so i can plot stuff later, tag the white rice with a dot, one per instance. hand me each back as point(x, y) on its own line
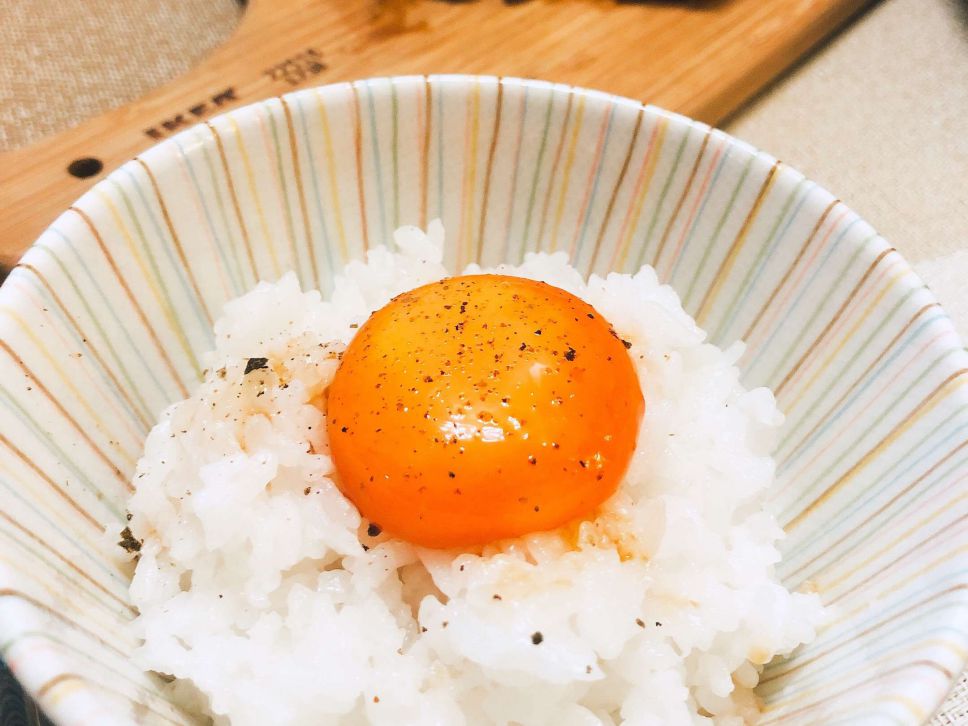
point(265, 599)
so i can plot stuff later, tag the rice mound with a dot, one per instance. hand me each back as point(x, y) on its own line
point(260, 589)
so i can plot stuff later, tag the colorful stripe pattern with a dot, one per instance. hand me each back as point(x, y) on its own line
point(102, 324)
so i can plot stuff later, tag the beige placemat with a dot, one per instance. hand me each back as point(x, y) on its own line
point(62, 61)
point(879, 116)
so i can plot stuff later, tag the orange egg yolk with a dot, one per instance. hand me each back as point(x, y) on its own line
point(482, 407)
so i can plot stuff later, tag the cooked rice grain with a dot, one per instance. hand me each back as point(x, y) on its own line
point(254, 583)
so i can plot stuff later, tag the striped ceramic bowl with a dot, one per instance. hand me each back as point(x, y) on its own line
point(102, 324)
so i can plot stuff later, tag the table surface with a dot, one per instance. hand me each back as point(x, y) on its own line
point(878, 116)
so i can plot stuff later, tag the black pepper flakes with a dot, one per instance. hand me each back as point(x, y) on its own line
point(255, 364)
point(373, 530)
point(640, 622)
point(536, 637)
point(451, 474)
point(128, 542)
point(570, 354)
point(626, 343)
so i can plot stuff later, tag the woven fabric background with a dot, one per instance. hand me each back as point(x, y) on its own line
point(879, 116)
point(62, 61)
point(955, 709)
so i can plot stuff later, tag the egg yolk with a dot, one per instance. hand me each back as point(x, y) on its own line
point(482, 407)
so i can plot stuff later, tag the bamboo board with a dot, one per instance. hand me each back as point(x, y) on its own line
point(702, 58)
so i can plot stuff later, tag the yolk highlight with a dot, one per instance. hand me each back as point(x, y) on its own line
point(482, 407)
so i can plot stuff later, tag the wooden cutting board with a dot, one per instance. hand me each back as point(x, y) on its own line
point(702, 58)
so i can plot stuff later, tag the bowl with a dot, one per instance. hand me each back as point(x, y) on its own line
point(103, 322)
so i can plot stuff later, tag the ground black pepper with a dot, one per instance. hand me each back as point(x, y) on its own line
point(255, 364)
point(128, 542)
